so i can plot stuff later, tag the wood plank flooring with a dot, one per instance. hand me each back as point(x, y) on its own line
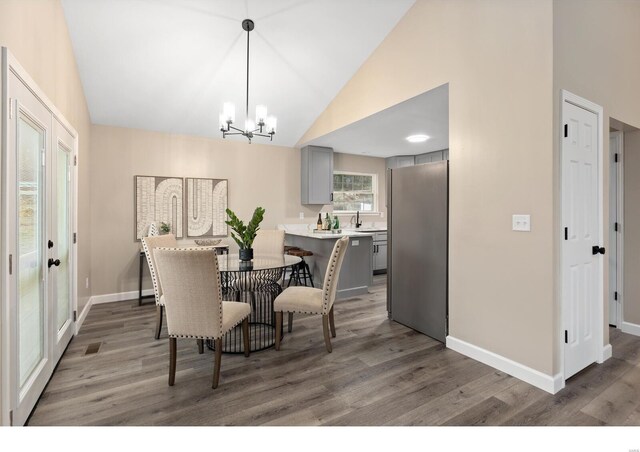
point(380, 373)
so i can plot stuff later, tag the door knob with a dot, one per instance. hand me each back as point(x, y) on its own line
point(52, 262)
point(595, 249)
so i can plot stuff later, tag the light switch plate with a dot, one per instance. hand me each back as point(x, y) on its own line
point(521, 223)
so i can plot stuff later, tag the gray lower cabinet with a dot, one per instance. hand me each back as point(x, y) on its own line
point(380, 252)
point(316, 174)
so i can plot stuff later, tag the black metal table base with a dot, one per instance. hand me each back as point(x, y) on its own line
point(259, 289)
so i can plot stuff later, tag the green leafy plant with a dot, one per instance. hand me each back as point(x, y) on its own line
point(165, 228)
point(244, 235)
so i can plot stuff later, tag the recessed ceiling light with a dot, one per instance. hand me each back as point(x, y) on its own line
point(417, 138)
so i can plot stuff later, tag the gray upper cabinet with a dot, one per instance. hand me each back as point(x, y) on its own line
point(316, 175)
point(432, 157)
point(400, 161)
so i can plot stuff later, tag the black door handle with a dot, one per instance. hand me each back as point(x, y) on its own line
point(595, 249)
point(52, 262)
point(50, 244)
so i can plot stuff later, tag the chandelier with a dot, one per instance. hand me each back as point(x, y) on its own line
point(263, 126)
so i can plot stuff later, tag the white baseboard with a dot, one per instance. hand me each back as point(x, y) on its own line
point(630, 328)
point(121, 296)
point(606, 353)
point(83, 315)
point(551, 384)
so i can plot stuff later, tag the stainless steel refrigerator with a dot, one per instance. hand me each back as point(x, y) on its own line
point(418, 227)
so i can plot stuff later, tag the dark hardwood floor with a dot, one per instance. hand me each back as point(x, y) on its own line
point(380, 373)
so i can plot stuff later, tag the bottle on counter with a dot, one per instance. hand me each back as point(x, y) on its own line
point(319, 223)
point(327, 222)
point(336, 222)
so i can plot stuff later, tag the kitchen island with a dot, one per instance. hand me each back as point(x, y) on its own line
point(356, 274)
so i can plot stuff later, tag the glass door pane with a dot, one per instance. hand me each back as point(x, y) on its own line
point(62, 246)
point(31, 326)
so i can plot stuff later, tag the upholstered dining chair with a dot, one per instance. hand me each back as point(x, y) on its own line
point(190, 280)
point(148, 245)
point(269, 241)
point(310, 300)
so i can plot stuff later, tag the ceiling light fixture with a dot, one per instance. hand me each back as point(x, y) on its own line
point(417, 138)
point(263, 126)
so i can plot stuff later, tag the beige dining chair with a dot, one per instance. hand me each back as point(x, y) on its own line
point(309, 300)
point(148, 245)
point(269, 241)
point(190, 280)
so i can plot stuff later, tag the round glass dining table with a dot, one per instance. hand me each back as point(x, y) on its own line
point(257, 282)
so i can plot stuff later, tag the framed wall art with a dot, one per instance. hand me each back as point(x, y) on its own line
point(158, 200)
point(206, 205)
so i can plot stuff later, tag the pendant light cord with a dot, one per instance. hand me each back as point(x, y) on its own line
point(247, 106)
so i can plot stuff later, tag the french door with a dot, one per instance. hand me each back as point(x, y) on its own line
point(39, 218)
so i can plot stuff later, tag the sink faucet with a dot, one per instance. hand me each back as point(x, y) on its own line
point(358, 222)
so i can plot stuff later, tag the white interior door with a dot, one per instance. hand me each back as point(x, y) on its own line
point(581, 268)
point(40, 210)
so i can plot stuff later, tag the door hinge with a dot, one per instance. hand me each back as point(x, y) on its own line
point(75, 315)
point(43, 158)
point(566, 130)
point(75, 237)
point(75, 160)
point(615, 296)
point(566, 233)
point(615, 157)
point(10, 264)
point(10, 108)
point(616, 227)
point(566, 337)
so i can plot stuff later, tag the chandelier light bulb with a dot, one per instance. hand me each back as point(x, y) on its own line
point(272, 122)
point(261, 114)
point(224, 125)
point(249, 125)
point(229, 112)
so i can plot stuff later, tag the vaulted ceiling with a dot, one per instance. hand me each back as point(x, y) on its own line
point(168, 65)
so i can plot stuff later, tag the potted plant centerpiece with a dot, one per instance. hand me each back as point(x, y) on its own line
point(244, 235)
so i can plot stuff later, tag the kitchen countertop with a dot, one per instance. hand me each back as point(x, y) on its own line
point(326, 236)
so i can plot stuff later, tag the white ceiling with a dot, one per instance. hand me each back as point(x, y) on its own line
point(383, 134)
point(168, 65)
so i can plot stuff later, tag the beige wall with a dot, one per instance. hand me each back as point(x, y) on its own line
point(36, 33)
point(631, 292)
point(596, 47)
point(258, 174)
point(497, 57)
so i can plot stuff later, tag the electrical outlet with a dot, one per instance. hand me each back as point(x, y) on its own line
point(86, 283)
point(521, 223)
point(302, 215)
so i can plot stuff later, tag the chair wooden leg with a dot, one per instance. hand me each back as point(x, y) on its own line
point(332, 323)
point(172, 360)
point(245, 336)
point(278, 328)
point(325, 328)
point(290, 322)
point(159, 310)
point(216, 366)
point(201, 346)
